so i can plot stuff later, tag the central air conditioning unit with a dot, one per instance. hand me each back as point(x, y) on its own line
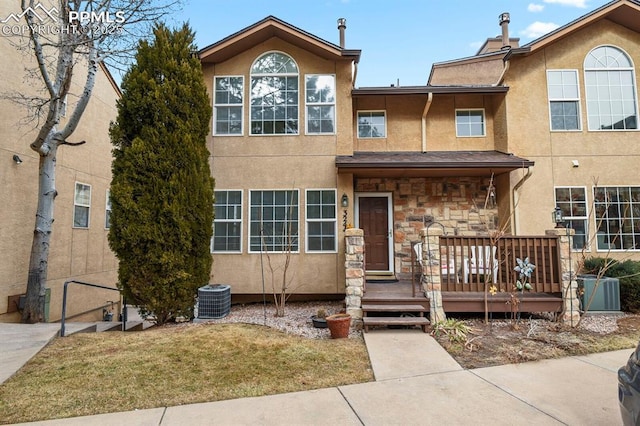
point(214, 301)
point(606, 297)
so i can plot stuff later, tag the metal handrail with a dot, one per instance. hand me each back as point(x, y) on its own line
point(64, 299)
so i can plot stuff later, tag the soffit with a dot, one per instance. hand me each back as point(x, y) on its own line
point(434, 163)
point(273, 27)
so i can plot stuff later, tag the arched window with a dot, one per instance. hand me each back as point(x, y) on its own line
point(274, 95)
point(610, 89)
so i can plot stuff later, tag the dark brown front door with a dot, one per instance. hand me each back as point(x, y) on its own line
point(374, 220)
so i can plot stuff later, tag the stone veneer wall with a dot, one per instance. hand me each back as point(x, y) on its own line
point(458, 203)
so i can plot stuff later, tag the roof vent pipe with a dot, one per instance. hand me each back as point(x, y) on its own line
point(504, 20)
point(342, 25)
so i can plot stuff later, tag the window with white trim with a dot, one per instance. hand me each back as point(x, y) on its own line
point(572, 200)
point(81, 205)
point(321, 220)
point(274, 221)
point(320, 94)
point(470, 123)
point(227, 105)
point(609, 78)
point(107, 211)
point(372, 124)
point(274, 95)
point(564, 99)
point(227, 223)
point(617, 215)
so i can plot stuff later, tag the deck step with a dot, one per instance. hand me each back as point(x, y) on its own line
point(393, 308)
point(383, 321)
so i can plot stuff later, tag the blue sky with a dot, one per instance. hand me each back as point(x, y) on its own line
point(400, 39)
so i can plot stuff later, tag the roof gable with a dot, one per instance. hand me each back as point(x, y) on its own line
point(622, 12)
point(273, 27)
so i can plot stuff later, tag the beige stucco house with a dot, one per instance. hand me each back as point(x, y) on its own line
point(79, 248)
point(492, 142)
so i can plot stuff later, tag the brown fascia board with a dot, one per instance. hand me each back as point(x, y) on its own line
point(623, 12)
point(109, 76)
point(425, 90)
point(273, 27)
point(504, 55)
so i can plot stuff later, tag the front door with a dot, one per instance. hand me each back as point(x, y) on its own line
point(373, 219)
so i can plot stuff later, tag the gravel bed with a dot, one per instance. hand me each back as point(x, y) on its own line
point(297, 318)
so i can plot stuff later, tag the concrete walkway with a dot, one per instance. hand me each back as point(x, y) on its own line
point(417, 382)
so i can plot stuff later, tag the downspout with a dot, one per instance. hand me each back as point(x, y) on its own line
point(424, 121)
point(514, 200)
point(355, 74)
point(504, 69)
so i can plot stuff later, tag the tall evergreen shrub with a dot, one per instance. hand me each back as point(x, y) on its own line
point(162, 189)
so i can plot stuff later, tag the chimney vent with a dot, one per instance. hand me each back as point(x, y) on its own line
point(504, 20)
point(342, 25)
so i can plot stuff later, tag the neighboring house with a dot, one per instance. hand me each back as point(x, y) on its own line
point(494, 141)
point(79, 248)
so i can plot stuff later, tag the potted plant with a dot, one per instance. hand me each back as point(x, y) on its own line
point(339, 325)
point(319, 319)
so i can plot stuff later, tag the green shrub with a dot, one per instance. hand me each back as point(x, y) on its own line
point(628, 272)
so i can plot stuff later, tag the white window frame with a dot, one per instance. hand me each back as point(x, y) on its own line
point(221, 105)
point(296, 218)
point(321, 104)
point(484, 123)
point(604, 222)
point(333, 220)
point(107, 210)
point(295, 75)
point(590, 94)
point(237, 220)
point(81, 205)
point(568, 213)
point(565, 98)
point(370, 112)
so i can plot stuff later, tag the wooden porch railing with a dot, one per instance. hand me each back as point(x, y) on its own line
point(467, 263)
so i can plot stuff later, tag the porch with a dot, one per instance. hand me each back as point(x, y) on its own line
point(450, 274)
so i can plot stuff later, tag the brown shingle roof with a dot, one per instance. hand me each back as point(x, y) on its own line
point(460, 162)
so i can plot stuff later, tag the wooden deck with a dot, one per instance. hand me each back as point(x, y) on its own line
point(400, 293)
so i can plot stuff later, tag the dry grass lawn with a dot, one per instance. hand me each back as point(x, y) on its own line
point(95, 373)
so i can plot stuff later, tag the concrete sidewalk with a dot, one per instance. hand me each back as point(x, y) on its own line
point(417, 382)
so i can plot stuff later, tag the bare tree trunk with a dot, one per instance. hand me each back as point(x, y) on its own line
point(38, 263)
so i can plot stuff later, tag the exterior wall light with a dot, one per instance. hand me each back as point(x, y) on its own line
point(17, 159)
point(344, 201)
point(557, 218)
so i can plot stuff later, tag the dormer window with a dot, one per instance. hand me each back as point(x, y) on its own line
point(274, 95)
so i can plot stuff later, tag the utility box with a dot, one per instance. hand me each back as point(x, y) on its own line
point(606, 297)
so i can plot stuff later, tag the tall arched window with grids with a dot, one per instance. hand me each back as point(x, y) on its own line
point(274, 95)
point(610, 90)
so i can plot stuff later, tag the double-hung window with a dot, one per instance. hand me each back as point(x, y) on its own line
point(320, 94)
point(227, 224)
point(617, 215)
point(274, 95)
point(81, 205)
point(572, 201)
point(227, 105)
point(564, 99)
point(273, 223)
point(610, 90)
point(321, 220)
point(372, 124)
point(470, 123)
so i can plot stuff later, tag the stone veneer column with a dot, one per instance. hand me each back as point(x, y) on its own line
point(431, 272)
point(571, 305)
point(354, 265)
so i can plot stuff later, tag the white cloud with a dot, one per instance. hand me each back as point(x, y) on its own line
point(538, 29)
point(582, 4)
point(535, 7)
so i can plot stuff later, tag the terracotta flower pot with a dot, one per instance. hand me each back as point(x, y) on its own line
point(339, 325)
